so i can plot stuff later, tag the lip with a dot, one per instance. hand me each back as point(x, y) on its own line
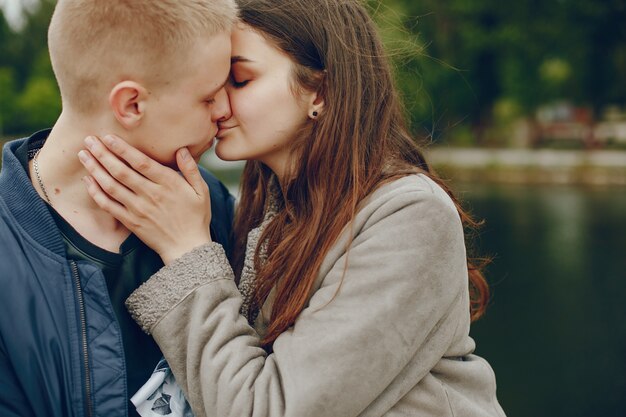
point(222, 130)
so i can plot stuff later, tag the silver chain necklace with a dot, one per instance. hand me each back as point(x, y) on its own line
point(43, 187)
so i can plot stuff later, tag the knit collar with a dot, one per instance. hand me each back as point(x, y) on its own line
point(247, 282)
point(274, 200)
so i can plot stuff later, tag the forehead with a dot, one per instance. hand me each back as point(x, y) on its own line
point(250, 44)
point(209, 61)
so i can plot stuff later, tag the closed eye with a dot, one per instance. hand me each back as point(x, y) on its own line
point(238, 84)
point(241, 84)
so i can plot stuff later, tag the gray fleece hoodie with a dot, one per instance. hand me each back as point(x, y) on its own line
point(394, 340)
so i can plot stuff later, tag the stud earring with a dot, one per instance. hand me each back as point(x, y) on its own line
point(315, 114)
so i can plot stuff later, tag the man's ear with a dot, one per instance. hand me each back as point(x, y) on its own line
point(128, 102)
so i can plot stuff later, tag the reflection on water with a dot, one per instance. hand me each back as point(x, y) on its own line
point(555, 332)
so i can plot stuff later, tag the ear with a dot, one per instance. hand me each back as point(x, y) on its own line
point(315, 104)
point(128, 100)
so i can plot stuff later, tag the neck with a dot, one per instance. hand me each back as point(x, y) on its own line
point(282, 166)
point(61, 174)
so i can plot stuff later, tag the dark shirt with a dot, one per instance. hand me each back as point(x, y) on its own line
point(123, 272)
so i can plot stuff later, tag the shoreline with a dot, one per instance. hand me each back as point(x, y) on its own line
point(525, 166)
point(598, 168)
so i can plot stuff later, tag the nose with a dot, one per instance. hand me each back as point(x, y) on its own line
point(221, 108)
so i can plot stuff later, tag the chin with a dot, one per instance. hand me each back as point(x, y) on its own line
point(168, 162)
point(225, 154)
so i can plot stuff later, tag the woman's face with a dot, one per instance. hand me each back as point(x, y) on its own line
point(266, 111)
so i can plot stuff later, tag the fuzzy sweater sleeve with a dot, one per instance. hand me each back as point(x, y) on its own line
point(397, 306)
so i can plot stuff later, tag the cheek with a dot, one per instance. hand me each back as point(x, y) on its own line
point(266, 110)
point(172, 131)
point(246, 107)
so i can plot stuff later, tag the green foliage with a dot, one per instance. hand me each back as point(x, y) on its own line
point(461, 65)
point(461, 136)
point(40, 103)
point(477, 54)
point(7, 98)
point(29, 97)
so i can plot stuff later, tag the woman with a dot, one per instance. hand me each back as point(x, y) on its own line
point(353, 294)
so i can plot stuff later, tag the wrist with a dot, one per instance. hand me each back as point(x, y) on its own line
point(173, 253)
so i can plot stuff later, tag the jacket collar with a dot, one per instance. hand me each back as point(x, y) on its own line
point(22, 200)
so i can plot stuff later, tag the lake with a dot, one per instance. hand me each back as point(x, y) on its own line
point(555, 332)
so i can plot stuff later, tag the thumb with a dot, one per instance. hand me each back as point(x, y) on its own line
point(190, 171)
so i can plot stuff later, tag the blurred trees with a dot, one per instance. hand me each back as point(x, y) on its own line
point(482, 61)
point(462, 65)
point(29, 96)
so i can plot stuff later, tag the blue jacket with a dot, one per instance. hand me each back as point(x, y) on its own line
point(61, 351)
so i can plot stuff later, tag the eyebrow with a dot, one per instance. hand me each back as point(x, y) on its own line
point(239, 58)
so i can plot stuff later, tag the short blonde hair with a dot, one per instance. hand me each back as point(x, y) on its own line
point(95, 43)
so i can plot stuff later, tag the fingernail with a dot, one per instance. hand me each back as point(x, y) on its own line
point(90, 141)
point(83, 156)
point(184, 154)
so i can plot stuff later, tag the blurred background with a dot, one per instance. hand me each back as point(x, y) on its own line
point(522, 106)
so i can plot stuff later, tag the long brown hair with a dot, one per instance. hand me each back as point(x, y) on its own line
point(359, 142)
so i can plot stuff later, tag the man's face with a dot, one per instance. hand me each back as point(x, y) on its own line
point(185, 113)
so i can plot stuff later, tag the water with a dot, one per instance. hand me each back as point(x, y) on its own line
point(555, 332)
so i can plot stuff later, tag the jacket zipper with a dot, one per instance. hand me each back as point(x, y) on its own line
point(83, 326)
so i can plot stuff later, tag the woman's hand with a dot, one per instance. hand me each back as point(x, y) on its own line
point(169, 212)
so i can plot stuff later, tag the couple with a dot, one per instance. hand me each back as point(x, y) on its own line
point(343, 287)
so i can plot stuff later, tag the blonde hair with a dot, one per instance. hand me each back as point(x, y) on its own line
point(96, 43)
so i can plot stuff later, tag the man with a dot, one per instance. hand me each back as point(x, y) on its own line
point(152, 71)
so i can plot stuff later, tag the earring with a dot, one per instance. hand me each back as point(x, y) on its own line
point(315, 114)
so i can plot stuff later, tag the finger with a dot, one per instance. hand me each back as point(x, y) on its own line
point(139, 161)
point(106, 182)
point(189, 168)
point(105, 202)
point(117, 168)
